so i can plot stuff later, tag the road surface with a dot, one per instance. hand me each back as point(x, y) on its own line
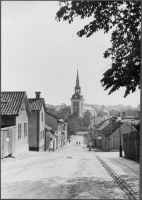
point(71, 172)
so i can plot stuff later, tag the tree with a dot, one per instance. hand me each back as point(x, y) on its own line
point(64, 112)
point(73, 124)
point(125, 19)
point(113, 112)
point(86, 119)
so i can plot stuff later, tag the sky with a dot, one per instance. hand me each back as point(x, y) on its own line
point(38, 53)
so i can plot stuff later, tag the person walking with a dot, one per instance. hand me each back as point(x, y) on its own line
point(79, 143)
point(76, 143)
point(69, 140)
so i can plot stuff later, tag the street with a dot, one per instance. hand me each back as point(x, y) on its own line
point(71, 172)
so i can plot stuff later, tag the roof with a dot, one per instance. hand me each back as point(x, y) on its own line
point(48, 127)
point(99, 125)
point(11, 102)
point(87, 107)
point(111, 128)
point(77, 80)
point(36, 104)
point(55, 116)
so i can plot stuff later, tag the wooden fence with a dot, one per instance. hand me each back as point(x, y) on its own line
point(8, 141)
point(131, 145)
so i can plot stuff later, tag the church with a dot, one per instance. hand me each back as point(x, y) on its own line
point(77, 101)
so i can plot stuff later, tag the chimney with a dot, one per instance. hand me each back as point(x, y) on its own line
point(113, 120)
point(37, 95)
point(123, 115)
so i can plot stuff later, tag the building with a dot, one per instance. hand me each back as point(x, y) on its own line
point(37, 123)
point(56, 124)
point(108, 133)
point(77, 100)
point(47, 137)
point(15, 111)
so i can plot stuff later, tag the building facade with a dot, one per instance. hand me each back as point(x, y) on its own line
point(14, 123)
point(37, 123)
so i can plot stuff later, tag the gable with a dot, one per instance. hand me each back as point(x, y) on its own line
point(125, 128)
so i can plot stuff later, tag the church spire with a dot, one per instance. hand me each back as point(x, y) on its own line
point(77, 80)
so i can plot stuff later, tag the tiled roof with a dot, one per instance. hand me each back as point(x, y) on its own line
point(36, 104)
point(99, 125)
point(111, 128)
point(11, 102)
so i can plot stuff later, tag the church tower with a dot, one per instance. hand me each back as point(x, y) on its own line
point(77, 101)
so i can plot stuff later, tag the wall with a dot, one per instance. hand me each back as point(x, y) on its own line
point(81, 108)
point(42, 130)
point(22, 145)
point(33, 130)
point(8, 136)
point(65, 133)
point(51, 121)
point(132, 145)
point(116, 137)
point(51, 144)
point(76, 107)
point(47, 140)
point(104, 143)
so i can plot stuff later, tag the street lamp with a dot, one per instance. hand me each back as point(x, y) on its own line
point(120, 145)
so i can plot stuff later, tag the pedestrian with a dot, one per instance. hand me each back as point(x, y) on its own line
point(69, 140)
point(79, 143)
point(76, 143)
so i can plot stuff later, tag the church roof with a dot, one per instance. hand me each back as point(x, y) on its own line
point(77, 80)
point(87, 107)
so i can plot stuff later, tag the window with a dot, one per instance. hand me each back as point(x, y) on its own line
point(43, 133)
point(25, 129)
point(19, 131)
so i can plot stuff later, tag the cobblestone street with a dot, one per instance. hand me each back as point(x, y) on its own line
point(72, 172)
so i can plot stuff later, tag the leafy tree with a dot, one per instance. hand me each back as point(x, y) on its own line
point(73, 124)
point(86, 119)
point(52, 110)
point(125, 18)
point(113, 112)
point(64, 112)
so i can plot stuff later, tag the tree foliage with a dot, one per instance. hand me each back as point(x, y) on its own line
point(86, 119)
point(125, 19)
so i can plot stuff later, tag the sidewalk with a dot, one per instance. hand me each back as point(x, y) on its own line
point(128, 170)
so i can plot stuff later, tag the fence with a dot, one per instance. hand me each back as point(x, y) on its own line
point(131, 145)
point(7, 141)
